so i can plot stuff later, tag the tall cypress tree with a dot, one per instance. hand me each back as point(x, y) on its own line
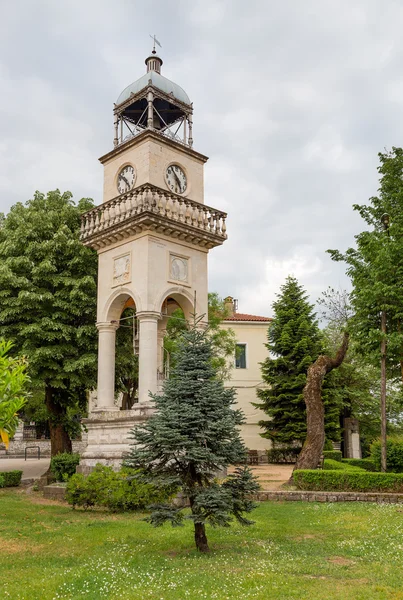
point(193, 435)
point(294, 343)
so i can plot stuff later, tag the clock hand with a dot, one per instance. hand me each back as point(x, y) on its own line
point(177, 179)
point(124, 179)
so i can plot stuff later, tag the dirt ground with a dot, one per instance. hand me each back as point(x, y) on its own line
point(272, 477)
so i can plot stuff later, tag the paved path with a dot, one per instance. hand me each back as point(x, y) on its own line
point(272, 477)
point(32, 468)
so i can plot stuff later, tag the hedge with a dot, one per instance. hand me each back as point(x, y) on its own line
point(333, 454)
point(394, 455)
point(348, 481)
point(116, 491)
point(363, 463)
point(335, 465)
point(10, 478)
point(287, 455)
point(1, 481)
point(63, 465)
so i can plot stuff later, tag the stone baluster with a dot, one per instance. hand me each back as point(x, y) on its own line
point(200, 218)
point(82, 227)
point(111, 213)
point(182, 210)
point(161, 204)
point(217, 223)
point(90, 223)
point(107, 216)
point(188, 214)
point(211, 221)
point(175, 208)
point(224, 227)
point(116, 205)
point(205, 220)
point(97, 221)
point(194, 216)
point(140, 201)
point(147, 199)
point(168, 208)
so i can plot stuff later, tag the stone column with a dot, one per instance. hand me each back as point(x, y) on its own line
point(148, 353)
point(150, 111)
point(106, 366)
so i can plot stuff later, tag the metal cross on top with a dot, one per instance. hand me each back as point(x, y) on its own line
point(153, 37)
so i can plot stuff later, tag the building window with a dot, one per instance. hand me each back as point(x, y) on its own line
point(240, 356)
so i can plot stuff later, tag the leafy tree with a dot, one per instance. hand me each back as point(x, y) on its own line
point(193, 435)
point(223, 340)
point(13, 382)
point(375, 267)
point(294, 343)
point(126, 360)
point(48, 302)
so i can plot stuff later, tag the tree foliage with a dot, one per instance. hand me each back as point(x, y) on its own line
point(13, 382)
point(375, 267)
point(48, 301)
point(193, 435)
point(294, 343)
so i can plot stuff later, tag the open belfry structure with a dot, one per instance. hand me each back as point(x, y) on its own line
point(152, 233)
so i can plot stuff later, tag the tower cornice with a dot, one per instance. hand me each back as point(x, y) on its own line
point(157, 137)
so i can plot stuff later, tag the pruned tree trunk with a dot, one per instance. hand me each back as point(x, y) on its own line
point(59, 438)
point(312, 449)
point(201, 538)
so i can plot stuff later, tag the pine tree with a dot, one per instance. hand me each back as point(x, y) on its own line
point(192, 436)
point(294, 343)
point(48, 302)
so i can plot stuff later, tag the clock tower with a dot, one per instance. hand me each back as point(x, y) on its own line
point(152, 233)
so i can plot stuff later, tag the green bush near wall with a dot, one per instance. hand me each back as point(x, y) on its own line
point(116, 491)
point(10, 478)
point(63, 465)
point(348, 481)
point(335, 465)
point(333, 454)
point(363, 463)
point(394, 454)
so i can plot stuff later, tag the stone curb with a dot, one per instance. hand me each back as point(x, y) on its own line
point(304, 496)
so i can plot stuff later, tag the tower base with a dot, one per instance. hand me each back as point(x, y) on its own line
point(109, 435)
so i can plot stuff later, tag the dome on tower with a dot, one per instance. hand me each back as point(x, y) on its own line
point(153, 74)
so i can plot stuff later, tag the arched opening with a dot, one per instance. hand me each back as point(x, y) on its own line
point(127, 357)
point(176, 312)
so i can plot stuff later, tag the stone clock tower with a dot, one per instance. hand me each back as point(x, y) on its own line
point(152, 234)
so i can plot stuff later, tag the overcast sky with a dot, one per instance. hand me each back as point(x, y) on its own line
point(292, 103)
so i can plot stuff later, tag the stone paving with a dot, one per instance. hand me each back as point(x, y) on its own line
point(32, 468)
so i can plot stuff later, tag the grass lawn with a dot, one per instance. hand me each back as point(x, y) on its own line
point(294, 551)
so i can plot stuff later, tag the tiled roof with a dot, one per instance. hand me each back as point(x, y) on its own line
point(244, 317)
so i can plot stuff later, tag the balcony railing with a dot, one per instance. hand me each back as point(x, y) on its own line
point(150, 207)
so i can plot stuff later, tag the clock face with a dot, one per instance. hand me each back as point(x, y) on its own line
point(126, 179)
point(176, 179)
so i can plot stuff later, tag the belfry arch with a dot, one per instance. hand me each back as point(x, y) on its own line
point(153, 233)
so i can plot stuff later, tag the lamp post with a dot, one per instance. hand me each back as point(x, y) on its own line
point(385, 220)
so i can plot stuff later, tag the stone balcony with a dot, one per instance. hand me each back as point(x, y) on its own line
point(149, 208)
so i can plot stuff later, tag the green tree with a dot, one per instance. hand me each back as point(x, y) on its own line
point(193, 435)
point(48, 302)
point(223, 340)
point(13, 382)
point(375, 267)
point(126, 360)
point(294, 343)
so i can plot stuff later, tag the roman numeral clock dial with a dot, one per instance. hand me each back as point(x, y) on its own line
point(176, 179)
point(126, 179)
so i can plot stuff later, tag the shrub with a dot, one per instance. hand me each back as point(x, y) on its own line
point(63, 465)
point(363, 463)
point(335, 465)
point(286, 455)
point(117, 491)
point(10, 478)
point(346, 481)
point(1, 481)
point(394, 455)
point(328, 445)
point(333, 454)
